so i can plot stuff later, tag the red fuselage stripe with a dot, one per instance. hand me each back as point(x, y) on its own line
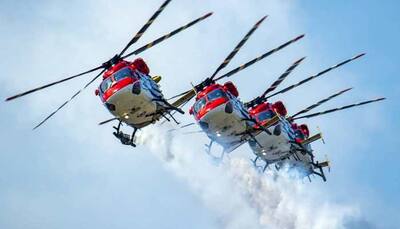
point(116, 87)
point(210, 106)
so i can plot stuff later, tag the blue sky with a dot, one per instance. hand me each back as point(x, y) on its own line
point(72, 173)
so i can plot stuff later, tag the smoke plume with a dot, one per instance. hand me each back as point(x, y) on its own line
point(239, 195)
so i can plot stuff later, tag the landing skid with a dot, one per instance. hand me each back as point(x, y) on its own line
point(208, 147)
point(125, 139)
point(301, 148)
point(258, 167)
point(208, 151)
point(262, 128)
point(217, 159)
point(166, 109)
point(321, 171)
point(251, 137)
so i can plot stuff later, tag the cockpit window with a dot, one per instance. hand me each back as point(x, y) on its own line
point(265, 115)
point(106, 84)
point(218, 93)
point(122, 74)
point(199, 104)
point(119, 75)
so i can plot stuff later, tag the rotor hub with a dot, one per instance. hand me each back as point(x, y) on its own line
point(113, 61)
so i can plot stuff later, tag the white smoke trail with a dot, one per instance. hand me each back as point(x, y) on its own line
point(241, 197)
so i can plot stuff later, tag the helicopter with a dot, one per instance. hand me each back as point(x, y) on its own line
point(127, 90)
point(301, 156)
point(290, 142)
point(217, 109)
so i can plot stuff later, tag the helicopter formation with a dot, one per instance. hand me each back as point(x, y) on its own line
point(133, 97)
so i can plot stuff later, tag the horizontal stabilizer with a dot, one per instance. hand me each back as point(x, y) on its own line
point(312, 139)
point(271, 122)
point(323, 164)
point(184, 98)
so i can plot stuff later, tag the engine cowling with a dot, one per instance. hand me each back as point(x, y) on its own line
point(305, 130)
point(140, 65)
point(280, 108)
point(229, 86)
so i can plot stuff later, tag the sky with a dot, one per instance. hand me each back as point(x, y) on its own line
point(73, 173)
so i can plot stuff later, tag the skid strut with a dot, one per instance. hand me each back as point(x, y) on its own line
point(169, 106)
point(262, 128)
point(265, 166)
point(124, 138)
point(208, 147)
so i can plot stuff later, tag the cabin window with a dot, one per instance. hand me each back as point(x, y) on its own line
point(106, 84)
point(122, 74)
point(265, 115)
point(216, 94)
point(199, 104)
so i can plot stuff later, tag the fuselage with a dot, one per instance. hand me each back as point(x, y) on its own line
point(221, 115)
point(299, 161)
point(284, 141)
point(130, 94)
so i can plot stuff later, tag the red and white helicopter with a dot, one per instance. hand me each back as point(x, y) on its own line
point(290, 143)
point(218, 111)
point(127, 90)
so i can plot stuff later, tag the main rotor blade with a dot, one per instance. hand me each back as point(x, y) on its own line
point(160, 39)
point(237, 48)
point(144, 28)
point(340, 108)
point(320, 102)
point(259, 58)
point(193, 132)
point(51, 84)
point(184, 99)
point(283, 77)
point(187, 125)
point(179, 95)
point(107, 121)
point(315, 76)
point(66, 102)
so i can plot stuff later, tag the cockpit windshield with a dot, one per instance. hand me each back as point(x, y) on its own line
point(265, 115)
point(218, 93)
point(106, 84)
point(122, 74)
point(199, 104)
point(119, 75)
